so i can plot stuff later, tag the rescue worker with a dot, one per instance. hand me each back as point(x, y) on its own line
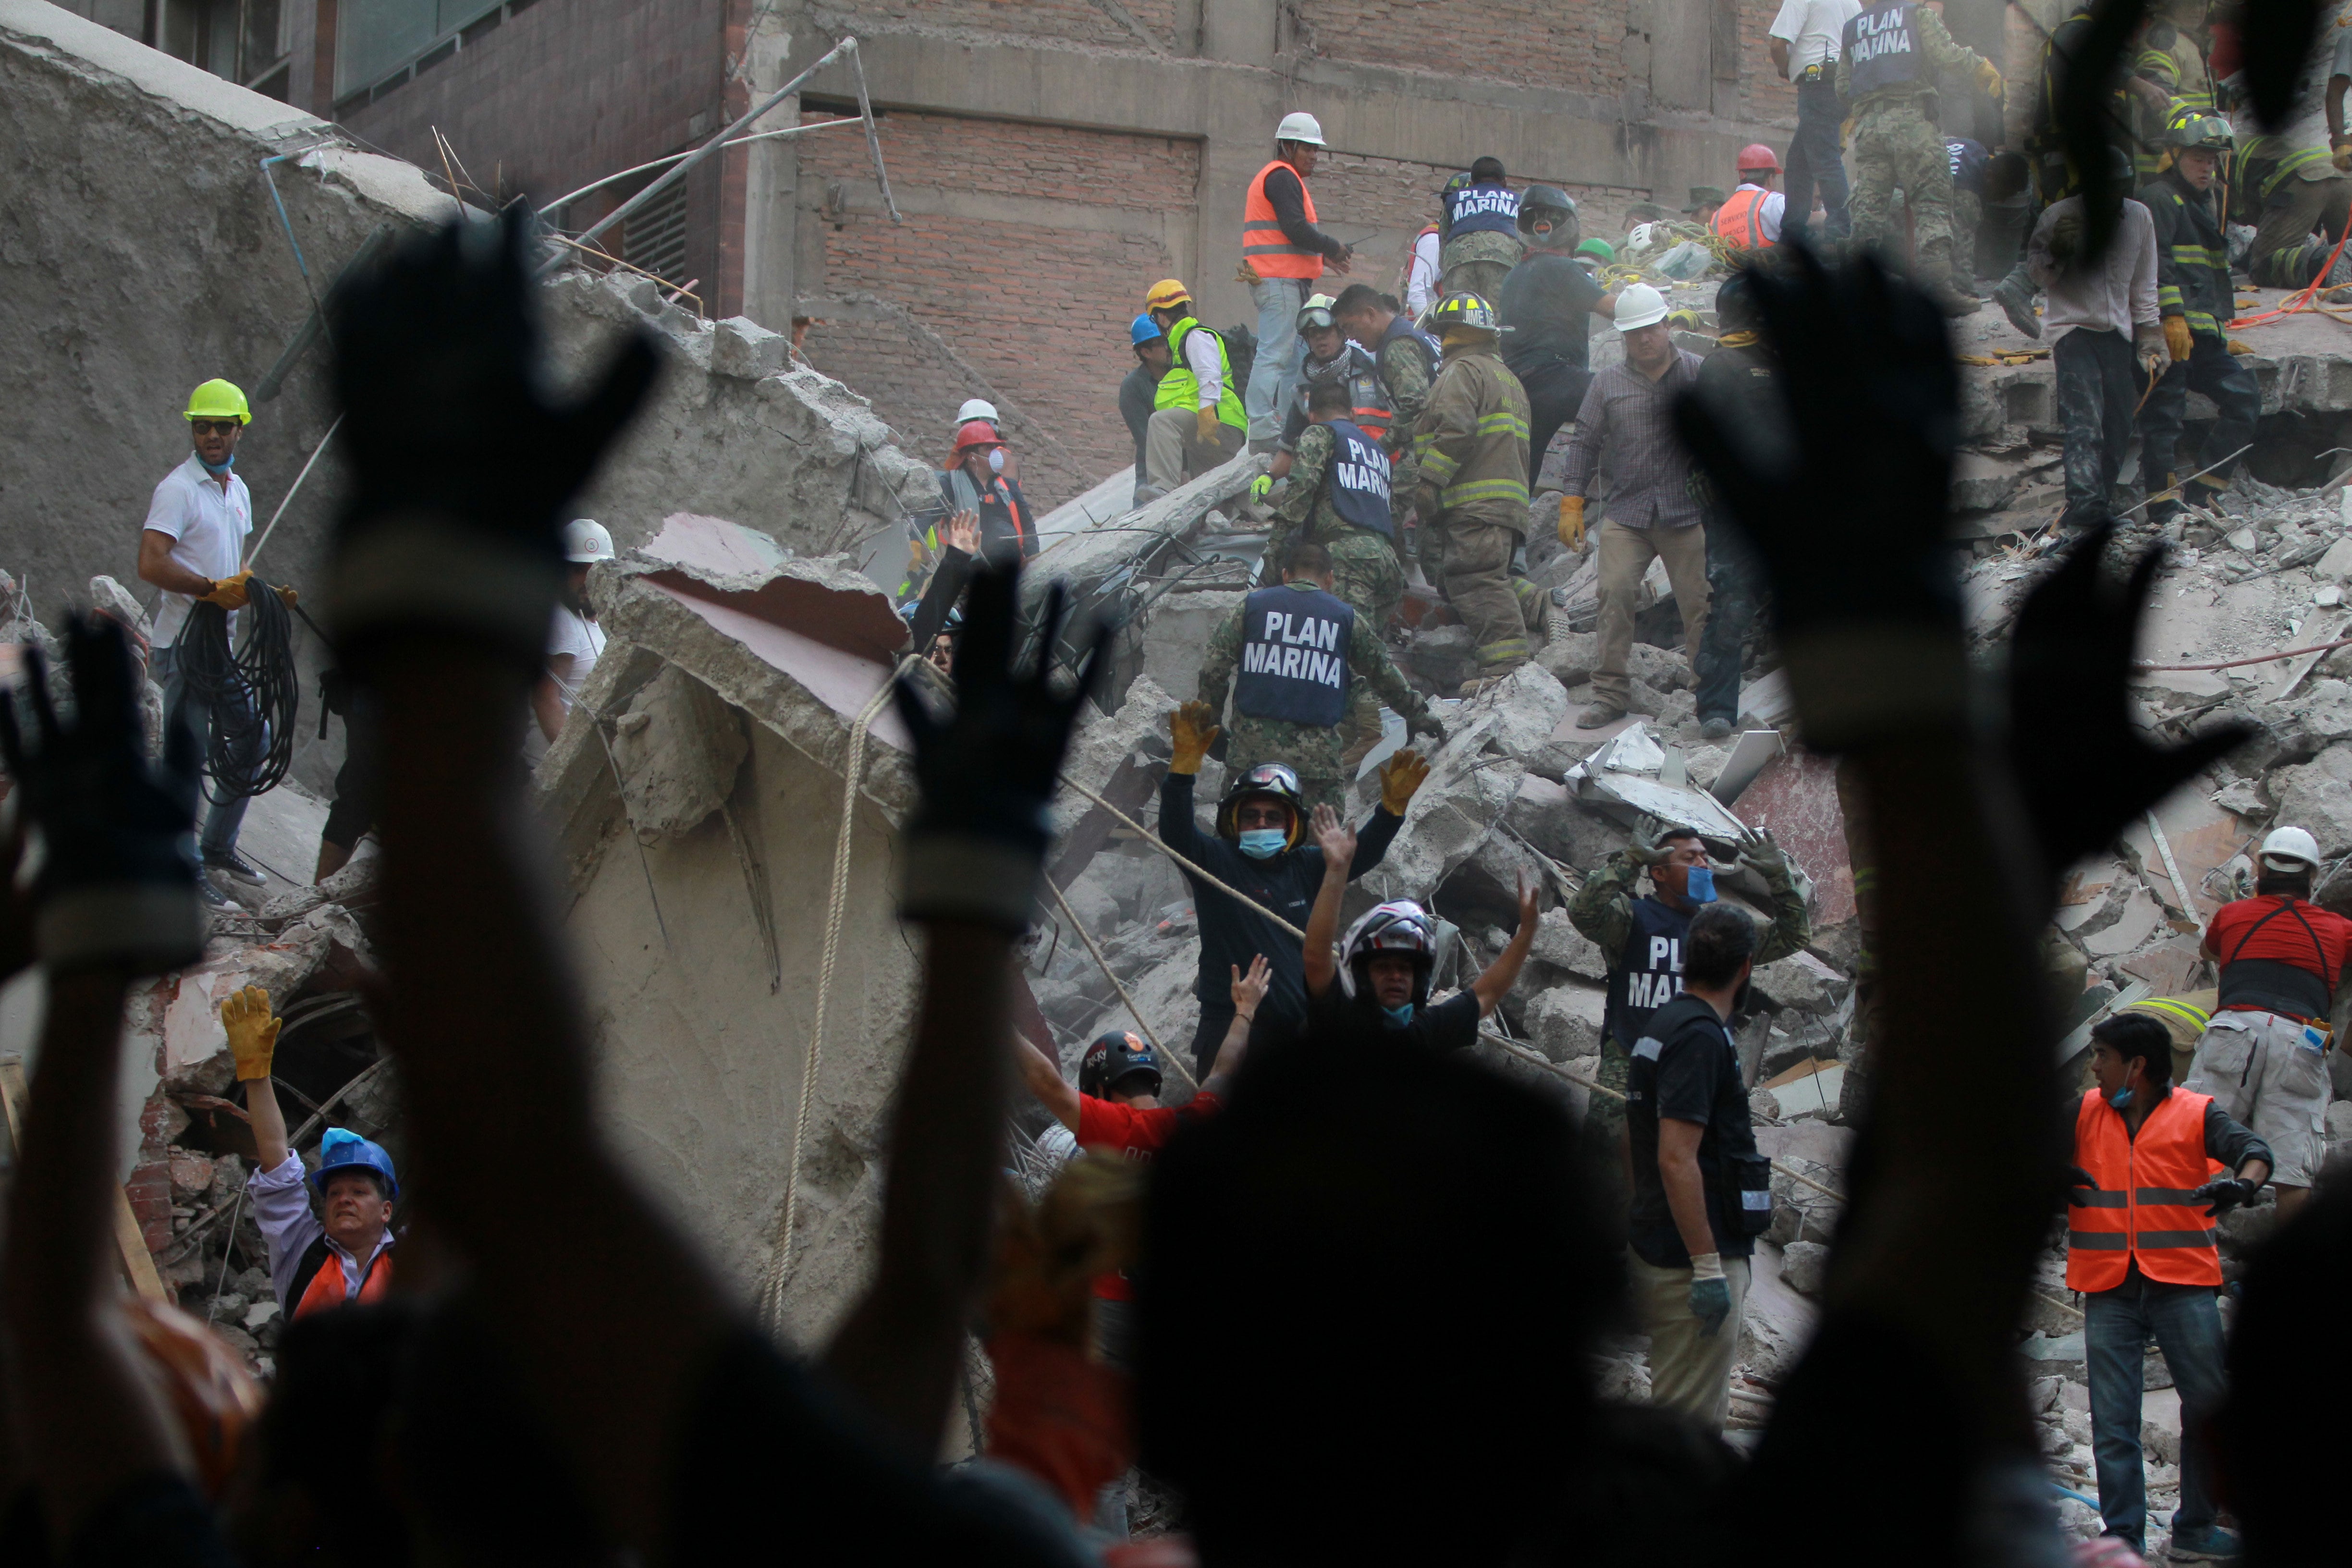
point(2264, 1057)
point(1887, 66)
point(1802, 42)
point(1406, 359)
point(1970, 163)
point(1417, 277)
point(1139, 393)
point(1339, 498)
point(1281, 255)
point(1257, 851)
point(1737, 378)
point(2287, 193)
point(1547, 307)
point(975, 480)
point(1751, 215)
point(1642, 938)
point(574, 642)
point(1481, 231)
point(1705, 201)
point(982, 409)
point(342, 1253)
point(1472, 446)
point(1331, 360)
point(2193, 292)
point(1304, 669)
point(192, 546)
point(2140, 1229)
point(2173, 56)
point(1197, 420)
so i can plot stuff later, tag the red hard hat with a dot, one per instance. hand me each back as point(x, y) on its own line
point(976, 433)
point(1755, 155)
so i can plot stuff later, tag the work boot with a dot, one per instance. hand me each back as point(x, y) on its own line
point(2204, 492)
point(1597, 714)
point(1953, 299)
point(1714, 729)
point(2210, 1544)
point(1535, 609)
point(2014, 294)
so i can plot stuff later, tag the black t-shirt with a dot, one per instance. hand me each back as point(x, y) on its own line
point(1135, 395)
point(1547, 306)
point(1448, 1025)
point(1685, 1069)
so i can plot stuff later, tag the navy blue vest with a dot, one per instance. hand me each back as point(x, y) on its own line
point(1295, 655)
point(1881, 48)
point(1649, 973)
point(1401, 326)
point(1360, 481)
point(1481, 209)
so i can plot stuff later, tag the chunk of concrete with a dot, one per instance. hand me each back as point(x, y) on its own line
point(1467, 792)
point(2313, 795)
point(1803, 1265)
point(1563, 951)
point(1528, 706)
point(741, 348)
point(678, 749)
point(1564, 1021)
point(1120, 756)
point(1803, 983)
point(1552, 819)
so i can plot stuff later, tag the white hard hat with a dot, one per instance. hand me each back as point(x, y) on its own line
point(584, 539)
point(976, 409)
point(2288, 847)
point(1639, 305)
point(1300, 127)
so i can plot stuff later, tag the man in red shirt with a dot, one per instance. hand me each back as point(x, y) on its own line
point(2263, 1057)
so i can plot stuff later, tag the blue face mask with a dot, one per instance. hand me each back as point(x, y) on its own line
point(1700, 888)
point(2121, 1100)
point(1399, 1017)
point(217, 469)
point(1264, 843)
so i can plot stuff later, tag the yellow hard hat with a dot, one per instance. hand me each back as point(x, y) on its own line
point(1166, 295)
point(218, 399)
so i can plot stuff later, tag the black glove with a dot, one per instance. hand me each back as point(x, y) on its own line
point(1847, 507)
point(116, 887)
point(462, 462)
point(2224, 1194)
point(989, 771)
point(2083, 769)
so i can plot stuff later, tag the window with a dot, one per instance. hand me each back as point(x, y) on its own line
point(376, 39)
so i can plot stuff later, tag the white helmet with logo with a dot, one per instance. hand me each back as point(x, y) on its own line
point(2290, 849)
point(976, 409)
point(1301, 126)
point(585, 540)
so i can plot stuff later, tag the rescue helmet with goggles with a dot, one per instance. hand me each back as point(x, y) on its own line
point(1112, 1060)
point(2206, 132)
point(1397, 926)
point(1268, 781)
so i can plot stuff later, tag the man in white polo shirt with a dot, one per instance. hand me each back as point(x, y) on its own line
point(191, 548)
point(1803, 43)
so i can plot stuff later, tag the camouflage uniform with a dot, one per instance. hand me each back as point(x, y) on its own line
point(1406, 375)
point(1897, 146)
point(1476, 263)
point(1603, 911)
point(1312, 751)
point(1364, 568)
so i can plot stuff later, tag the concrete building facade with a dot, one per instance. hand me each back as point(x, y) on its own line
point(1049, 159)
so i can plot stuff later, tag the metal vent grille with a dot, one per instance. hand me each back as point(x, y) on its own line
point(654, 237)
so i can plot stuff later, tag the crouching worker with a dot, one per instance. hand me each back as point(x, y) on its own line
point(1259, 850)
point(2140, 1245)
point(344, 1252)
point(1383, 968)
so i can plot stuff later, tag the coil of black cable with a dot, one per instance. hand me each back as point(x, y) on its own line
point(253, 691)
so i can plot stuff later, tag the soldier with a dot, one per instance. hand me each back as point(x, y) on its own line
point(1406, 358)
point(1331, 360)
point(1886, 70)
point(1295, 647)
point(1339, 499)
point(1472, 443)
point(2193, 296)
point(1481, 229)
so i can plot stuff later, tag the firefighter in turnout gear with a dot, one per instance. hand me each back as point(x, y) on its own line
point(2194, 297)
point(1888, 67)
point(1293, 656)
point(1471, 444)
point(2288, 191)
point(1340, 499)
point(1643, 937)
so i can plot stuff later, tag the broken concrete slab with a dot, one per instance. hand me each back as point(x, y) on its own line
point(1564, 1021)
point(679, 748)
point(1561, 951)
point(1467, 792)
point(1622, 777)
point(1121, 757)
point(1794, 797)
point(1527, 706)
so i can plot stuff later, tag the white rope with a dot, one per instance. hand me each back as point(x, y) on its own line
point(836, 907)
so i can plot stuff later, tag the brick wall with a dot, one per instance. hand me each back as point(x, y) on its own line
point(1064, 21)
point(1541, 43)
point(1037, 314)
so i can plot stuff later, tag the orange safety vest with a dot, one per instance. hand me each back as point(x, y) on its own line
point(2142, 1209)
point(326, 1289)
point(1267, 249)
point(1740, 218)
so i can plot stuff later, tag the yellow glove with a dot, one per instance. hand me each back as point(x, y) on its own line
point(1571, 523)
point(1989, 78)
point(1400, 778)
point(287, 595)
point(2237, 347)
point(1260, 484)
point(2341, 155)
point(252, 1032)
point(2177, 340)
point(1192, 731)
point(1205, 424)
point(229, 593)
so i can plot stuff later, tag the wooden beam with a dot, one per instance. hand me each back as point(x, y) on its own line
point(138, 1270)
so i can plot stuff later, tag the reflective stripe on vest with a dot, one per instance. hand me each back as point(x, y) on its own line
point(1882, 49)
point(326, 1289)
point(1481, 209)
point(1649, 973)
point(2141, 1211)
point(2252, 152)
point(1264, 247)
point(1357, 480)
point(1740, 219)
point(1294, 646)
point(1180, 388)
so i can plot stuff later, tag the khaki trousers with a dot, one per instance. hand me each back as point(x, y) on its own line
point(1690, 1373)
point(1626, 554)
point(1473, 570)
point(1174, 452)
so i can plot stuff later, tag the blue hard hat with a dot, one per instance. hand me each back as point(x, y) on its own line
point(1144, 330)
point(343, 1150)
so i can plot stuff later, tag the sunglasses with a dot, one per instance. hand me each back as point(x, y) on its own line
point(214, 426)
